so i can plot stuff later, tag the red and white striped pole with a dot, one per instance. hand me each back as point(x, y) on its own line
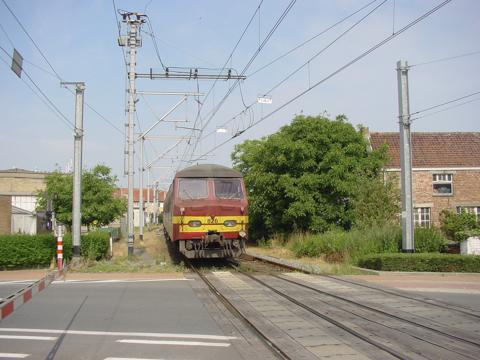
point(60, 248)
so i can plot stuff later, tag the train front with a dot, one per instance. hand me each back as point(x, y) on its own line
point(210, 216)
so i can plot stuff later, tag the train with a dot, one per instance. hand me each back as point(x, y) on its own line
point(205, 213)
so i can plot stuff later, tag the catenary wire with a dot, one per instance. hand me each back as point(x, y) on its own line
point(308, 61)
point(230, 90)
point(446, 59)
point(348, 64)
point(310, 39)
point(445, 103)
point(446, 109)
point(46, 100)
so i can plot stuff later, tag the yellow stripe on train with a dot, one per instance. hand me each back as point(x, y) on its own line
point(210, 223)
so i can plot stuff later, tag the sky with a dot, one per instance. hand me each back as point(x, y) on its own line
point(79, 40)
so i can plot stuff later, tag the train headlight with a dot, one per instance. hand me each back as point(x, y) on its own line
point(194, 223)
point(229, 223)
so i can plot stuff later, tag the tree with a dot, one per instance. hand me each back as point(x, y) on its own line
point(100, 206)
point(303, 178)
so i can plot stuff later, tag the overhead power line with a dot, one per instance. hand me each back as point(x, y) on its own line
point(310, 39)
point(46, 100)
point(262, 45)
point(347, 65)
point(446, 109)
point(445, 103)
point(53, 69)
point(446, 59)
point(309, 60)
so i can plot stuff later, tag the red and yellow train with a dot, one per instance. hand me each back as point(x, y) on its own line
point(205, 212)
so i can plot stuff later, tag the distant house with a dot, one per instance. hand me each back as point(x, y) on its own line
point(446, 172)
point(18, 188)
point(151, 207)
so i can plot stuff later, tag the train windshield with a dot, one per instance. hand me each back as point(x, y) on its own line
point(191, 189)
point(228, 188)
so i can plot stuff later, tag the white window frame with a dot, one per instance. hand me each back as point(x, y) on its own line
point(422, 217)
point(442, 179)
point(471, 209)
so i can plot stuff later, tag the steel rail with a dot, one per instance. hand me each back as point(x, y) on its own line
point(270, 345)
point(326, 317)
point(436, 303)
point(453, 337)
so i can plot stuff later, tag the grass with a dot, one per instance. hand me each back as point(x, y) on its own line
point(155, 258)
point(337, 252)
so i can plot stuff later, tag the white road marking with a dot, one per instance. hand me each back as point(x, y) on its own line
point(13, 355)
point(114, 333)
point(119, 358)
point(21, 337)
point(170, 342)
point(115, 281)
point(442, 290)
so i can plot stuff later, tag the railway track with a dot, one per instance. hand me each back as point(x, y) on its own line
point(373, 327)
point(440, 304)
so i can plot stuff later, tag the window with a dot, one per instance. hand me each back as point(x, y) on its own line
point(422, 217)
point(228, 188)
point(191, 189)
point(442, 184)
point(471, 210)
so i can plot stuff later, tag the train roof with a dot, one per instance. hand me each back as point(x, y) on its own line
point(208, 170)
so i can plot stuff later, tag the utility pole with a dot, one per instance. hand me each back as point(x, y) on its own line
point(77, 169)
point(141, 205)
point(134, 21)
point(405, 158)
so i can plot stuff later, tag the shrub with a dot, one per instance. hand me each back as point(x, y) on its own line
point(25, 251)
point(421, 262)
point(94, 245)
point(429, 240)
point(452, 223)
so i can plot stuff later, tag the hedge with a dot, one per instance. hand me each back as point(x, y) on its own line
point(94, 245)
point(29, 251)
point(26, 251)
point(421, 262)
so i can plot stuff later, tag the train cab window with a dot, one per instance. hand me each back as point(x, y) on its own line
point(228, 188)
point(191, 189)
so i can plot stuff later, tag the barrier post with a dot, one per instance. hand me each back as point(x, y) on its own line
point(60, 233)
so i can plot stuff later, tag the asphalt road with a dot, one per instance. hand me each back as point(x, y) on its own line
point(155, 319)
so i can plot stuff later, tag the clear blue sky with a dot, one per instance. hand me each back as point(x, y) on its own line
point(79, 38)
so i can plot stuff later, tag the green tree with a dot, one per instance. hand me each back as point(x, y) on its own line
point(100, 206)
point(304, 177)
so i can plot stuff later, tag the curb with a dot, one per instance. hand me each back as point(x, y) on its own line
point(14, 301)
point(314, 269)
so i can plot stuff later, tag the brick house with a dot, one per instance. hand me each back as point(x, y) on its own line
point(445, 172)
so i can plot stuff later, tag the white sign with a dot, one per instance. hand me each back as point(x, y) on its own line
point(264, 99)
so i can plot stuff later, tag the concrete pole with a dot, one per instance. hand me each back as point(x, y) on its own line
point(155, 202)
point(141, 207)
point(405, 158)
point(77, 171)
point(148, 194)
point(132, 42)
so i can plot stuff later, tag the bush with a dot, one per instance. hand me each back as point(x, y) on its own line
point(26, 251)
point(429, 240)
point(452, 223)
point(421, 262)
point(94, 245)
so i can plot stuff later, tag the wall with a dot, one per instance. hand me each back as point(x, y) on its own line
point(466, 191)
point(5, 214)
